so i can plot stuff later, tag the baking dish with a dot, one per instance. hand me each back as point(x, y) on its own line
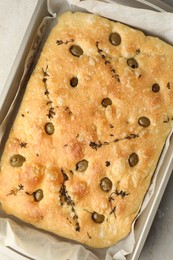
point(143, 224)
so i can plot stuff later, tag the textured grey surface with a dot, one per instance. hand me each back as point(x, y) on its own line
point(14, 19)
point(159, 243)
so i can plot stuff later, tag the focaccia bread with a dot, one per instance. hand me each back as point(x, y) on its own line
point(90, 130)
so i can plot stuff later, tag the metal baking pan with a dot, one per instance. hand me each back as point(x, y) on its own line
point(143, 223)
point(156, 5)
point(17, 70)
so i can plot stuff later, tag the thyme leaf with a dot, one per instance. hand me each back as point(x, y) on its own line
point(16, 190)
point(89, 235)
point(113, 210)
point(23, 144)
point(107, 163)
point(60, 42)
point(168, 85)
point(95, 145)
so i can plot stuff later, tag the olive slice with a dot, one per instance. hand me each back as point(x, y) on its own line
point(81, 166)
point(38, 195)
point(98, 218)
point(74, 82)
point(106, 102)
point(144, 121)
point(76, 50)
point(115, 39)
point(155, 88)
point(49, 128)
point(133, 159)
point(132, 63)
point(106, 184)
point(17, 160)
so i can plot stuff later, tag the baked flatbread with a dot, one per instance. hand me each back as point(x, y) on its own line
point(89, 132)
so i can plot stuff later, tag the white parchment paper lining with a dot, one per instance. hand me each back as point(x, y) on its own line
point(39, 244)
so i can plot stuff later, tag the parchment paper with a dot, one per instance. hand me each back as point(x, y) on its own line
point(39, 244)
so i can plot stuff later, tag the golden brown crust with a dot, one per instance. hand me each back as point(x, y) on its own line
point(108, 134)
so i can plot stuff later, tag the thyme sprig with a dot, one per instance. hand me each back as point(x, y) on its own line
point(66, 198)
point(99, 144)
point(51, 111)
point(111, 199)
point(107, 62)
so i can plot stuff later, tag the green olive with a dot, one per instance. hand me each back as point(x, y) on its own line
point(49, 128)
point(98, 218)
point(106, 102)
point(144, 121)
point(76, 50)
point(82, 166)
point(132, 63)
point(106, 184)
point(17, 160)
point(38, 195)
point(155, 88)
point(133, 159)
point(115, 39)
point(74, 82)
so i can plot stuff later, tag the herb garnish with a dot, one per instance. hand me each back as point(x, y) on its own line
point(95, 145)
point(107, 163)
point(111, 198)
point(89, 235)
point(23, 144)
point(120, 193)
point(103, 56)
point(167, 120)
point(117, 193)
point(59, 42)
point(15, 191)
point(113, 211)
point(51, 111)
point(168, 85)
point(68, 110)
point(66, 198)
point(69, 220)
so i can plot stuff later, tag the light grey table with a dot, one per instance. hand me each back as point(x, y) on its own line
point(159, 244)
point(14, 18)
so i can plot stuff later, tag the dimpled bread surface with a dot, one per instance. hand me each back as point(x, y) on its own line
point(90, 130)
